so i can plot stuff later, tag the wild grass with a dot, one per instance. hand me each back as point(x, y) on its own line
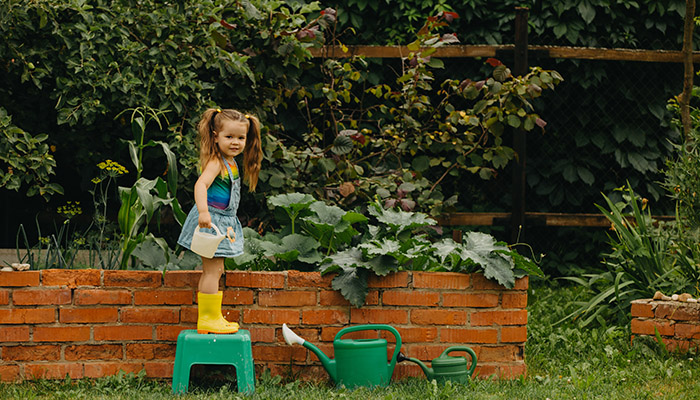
point(564, 362)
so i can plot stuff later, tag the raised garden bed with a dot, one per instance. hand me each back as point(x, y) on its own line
point(92, 323)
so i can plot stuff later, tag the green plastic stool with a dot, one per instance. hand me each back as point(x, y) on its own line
point(229, 349)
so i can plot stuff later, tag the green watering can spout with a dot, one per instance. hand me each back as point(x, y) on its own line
point(429, 373)
point(292, 338)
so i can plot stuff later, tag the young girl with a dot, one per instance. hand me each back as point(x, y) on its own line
point(223, 134)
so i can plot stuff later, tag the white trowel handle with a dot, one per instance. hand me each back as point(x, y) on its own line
point(291, 337)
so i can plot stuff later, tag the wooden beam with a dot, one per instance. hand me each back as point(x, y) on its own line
point(532, 219)
point(472, 51)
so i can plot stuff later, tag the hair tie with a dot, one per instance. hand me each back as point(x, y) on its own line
point(247, 116)
point(218, 110)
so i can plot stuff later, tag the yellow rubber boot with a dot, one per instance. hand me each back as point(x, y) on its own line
point(210, 319)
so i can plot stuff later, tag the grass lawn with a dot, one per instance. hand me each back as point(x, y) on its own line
point(564, 362)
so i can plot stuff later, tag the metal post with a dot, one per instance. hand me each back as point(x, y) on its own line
point(517, 221)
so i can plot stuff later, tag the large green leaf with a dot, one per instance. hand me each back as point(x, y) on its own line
point(352, 284)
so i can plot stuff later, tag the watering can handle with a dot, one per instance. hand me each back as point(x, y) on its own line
point(216, 228)
point(377, 327)
point(463, 348)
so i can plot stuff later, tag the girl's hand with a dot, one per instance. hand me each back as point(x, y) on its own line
point(204, 220)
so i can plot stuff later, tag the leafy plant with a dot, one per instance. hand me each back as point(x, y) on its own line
point(642, 261)
point(25, 160)
point(406, 139)
point(142, 201)
point(317, 236)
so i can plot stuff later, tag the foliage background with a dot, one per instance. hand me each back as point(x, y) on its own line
point(68, 68)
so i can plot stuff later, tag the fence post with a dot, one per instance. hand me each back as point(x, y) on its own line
point(517, 220)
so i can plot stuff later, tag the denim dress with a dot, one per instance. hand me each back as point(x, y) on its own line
point(226, 220)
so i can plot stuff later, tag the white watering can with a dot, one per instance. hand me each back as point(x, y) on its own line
point(204, 243)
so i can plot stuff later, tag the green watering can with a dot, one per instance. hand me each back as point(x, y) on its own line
point(359, 362)
point(447, 368)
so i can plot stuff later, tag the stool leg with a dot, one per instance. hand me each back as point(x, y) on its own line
point(181, 377)
point(245, 374)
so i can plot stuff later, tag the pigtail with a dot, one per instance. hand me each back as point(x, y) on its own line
point(207, 146)
point(252, 159)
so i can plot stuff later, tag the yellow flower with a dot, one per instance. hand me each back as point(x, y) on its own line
point(96, 180)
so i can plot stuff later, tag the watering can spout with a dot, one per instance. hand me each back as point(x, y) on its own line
point(429, 373)
point(292, 338)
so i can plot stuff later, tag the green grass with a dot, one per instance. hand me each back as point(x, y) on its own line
point(564, 362)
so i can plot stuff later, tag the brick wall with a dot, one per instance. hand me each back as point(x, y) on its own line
point(678, 323)
point(92, 323)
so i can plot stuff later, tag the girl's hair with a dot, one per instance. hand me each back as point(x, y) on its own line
point(211, 122)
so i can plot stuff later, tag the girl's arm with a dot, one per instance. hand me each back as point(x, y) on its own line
point(211, 170)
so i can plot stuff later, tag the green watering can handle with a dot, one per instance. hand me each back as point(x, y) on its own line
point(378, 327)
point(462, 348)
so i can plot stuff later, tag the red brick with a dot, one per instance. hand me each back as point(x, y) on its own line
point(4, 297)
point(239, 297)
point(61, 334)
point(33, 297)
point(691, 331)
point(150, 315)
point(87, 315)
point(53, 371)
point(512, 370)
point(410, 298)
point(27, 316)
point(646, 327)
point(440, 280)
point(170, 332)
point(89, 297)
point(94, 352)
point(488, 335)
point(514, 300)
point(279, 353)
point(9, 373)
point(480, 282)
point(286, 298)
point(438, 317)
point(71, 277)
point(158, 369)
point(231, 315)
point(513, 334)
point(150, 351)
point(103, 369)
point(189, 314)
point(163, 297)
point(393, 280)
point(271, 316)
point(487, 318)
point(188, 279)
point(123, 332)
point(262, 335)
point(407, 370)
point(130, 279)
point(522, 283)
point(378, 316)
point(255, 279)
point(498, 353)
point(334, 298)
point(308, 279)
point(676, 311)
point(424, 352)
point(14, 334)
point(486, 370)
point(324, 317)
point(463, 299)
point(31, 353)
point(17, 278)
point(642, 309)
point(418, 335)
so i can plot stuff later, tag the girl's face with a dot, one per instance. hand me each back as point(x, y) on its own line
point(231, 138)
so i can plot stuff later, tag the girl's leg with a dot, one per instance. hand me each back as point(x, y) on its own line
point(212, 269)
point(209, 299)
